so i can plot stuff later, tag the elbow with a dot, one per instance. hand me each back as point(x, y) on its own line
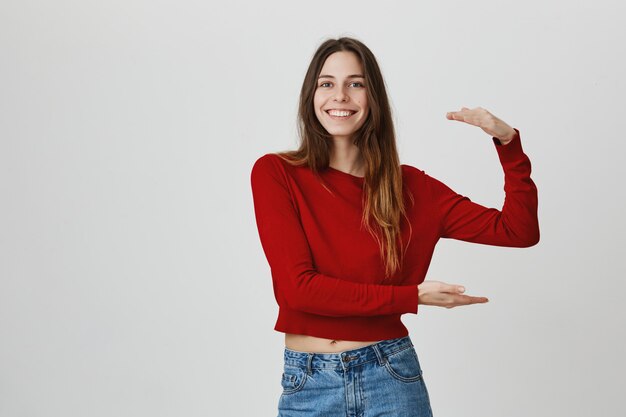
point(297, 297)
point(532, 242)
point(531, 239)
point(524, 238)
point(294, 303)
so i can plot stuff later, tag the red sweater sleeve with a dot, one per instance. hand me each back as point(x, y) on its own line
point(515, 226)
point(289, 256)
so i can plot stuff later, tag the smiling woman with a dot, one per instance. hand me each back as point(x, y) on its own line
point(341, 99)
point(349, 233)
point(341, 104)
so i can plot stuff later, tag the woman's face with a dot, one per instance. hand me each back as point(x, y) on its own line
point(341, 86)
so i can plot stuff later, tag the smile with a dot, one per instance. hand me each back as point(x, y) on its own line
point(340, 115)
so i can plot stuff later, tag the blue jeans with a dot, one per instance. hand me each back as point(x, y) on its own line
point(382, 379)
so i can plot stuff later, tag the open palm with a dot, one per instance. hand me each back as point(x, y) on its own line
point(437, 293)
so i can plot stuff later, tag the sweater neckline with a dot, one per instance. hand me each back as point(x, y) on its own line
point(338, 173)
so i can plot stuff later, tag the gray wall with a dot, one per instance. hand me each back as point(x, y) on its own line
point(132, 280)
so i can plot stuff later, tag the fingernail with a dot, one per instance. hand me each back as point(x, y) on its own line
point(461, 289)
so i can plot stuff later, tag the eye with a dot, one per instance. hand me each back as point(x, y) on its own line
point(355, 82)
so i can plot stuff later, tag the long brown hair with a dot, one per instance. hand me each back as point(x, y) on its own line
point(376, 140)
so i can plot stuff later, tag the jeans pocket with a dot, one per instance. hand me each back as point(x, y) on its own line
point(293, 379)
point(404, 365)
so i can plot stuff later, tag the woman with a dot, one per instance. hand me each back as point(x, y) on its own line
point(349, 233)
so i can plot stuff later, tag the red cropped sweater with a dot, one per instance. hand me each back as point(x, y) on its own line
point(326, 270)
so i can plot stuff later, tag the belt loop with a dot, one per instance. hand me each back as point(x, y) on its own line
point(382, 359)
point(308, 363)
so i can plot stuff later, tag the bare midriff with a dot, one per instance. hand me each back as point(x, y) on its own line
point(304, 343)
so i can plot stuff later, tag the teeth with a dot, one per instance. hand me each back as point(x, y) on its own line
point(339, 113)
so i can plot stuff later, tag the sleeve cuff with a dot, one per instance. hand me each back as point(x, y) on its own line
point(407, 297)
point(512, 150)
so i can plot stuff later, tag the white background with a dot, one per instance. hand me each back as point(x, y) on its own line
point(132, 280)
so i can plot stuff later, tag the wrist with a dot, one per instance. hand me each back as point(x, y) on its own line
point(507, 138)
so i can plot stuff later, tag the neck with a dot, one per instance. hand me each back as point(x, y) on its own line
point(346, 157)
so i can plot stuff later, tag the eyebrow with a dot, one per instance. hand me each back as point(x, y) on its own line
point(349, 76)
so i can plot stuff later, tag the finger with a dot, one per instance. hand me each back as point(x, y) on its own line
point(455, 115)
point(468, 299)
point(454, 288)
point(461, 116)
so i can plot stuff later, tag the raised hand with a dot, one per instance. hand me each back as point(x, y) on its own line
point(437, 293)
point(486, 121)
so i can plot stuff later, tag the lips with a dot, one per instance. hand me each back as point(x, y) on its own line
point(340, 117)
point(341, 110)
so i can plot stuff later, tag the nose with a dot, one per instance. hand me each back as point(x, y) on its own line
point(340, 95)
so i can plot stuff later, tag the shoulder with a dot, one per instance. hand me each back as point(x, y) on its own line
point(410, 169)
point(411, 173)
point(266, 161)
point(274, 167)
point(417, 178)
point(269, 162)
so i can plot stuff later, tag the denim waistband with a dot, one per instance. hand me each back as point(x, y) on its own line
point(376, 351)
